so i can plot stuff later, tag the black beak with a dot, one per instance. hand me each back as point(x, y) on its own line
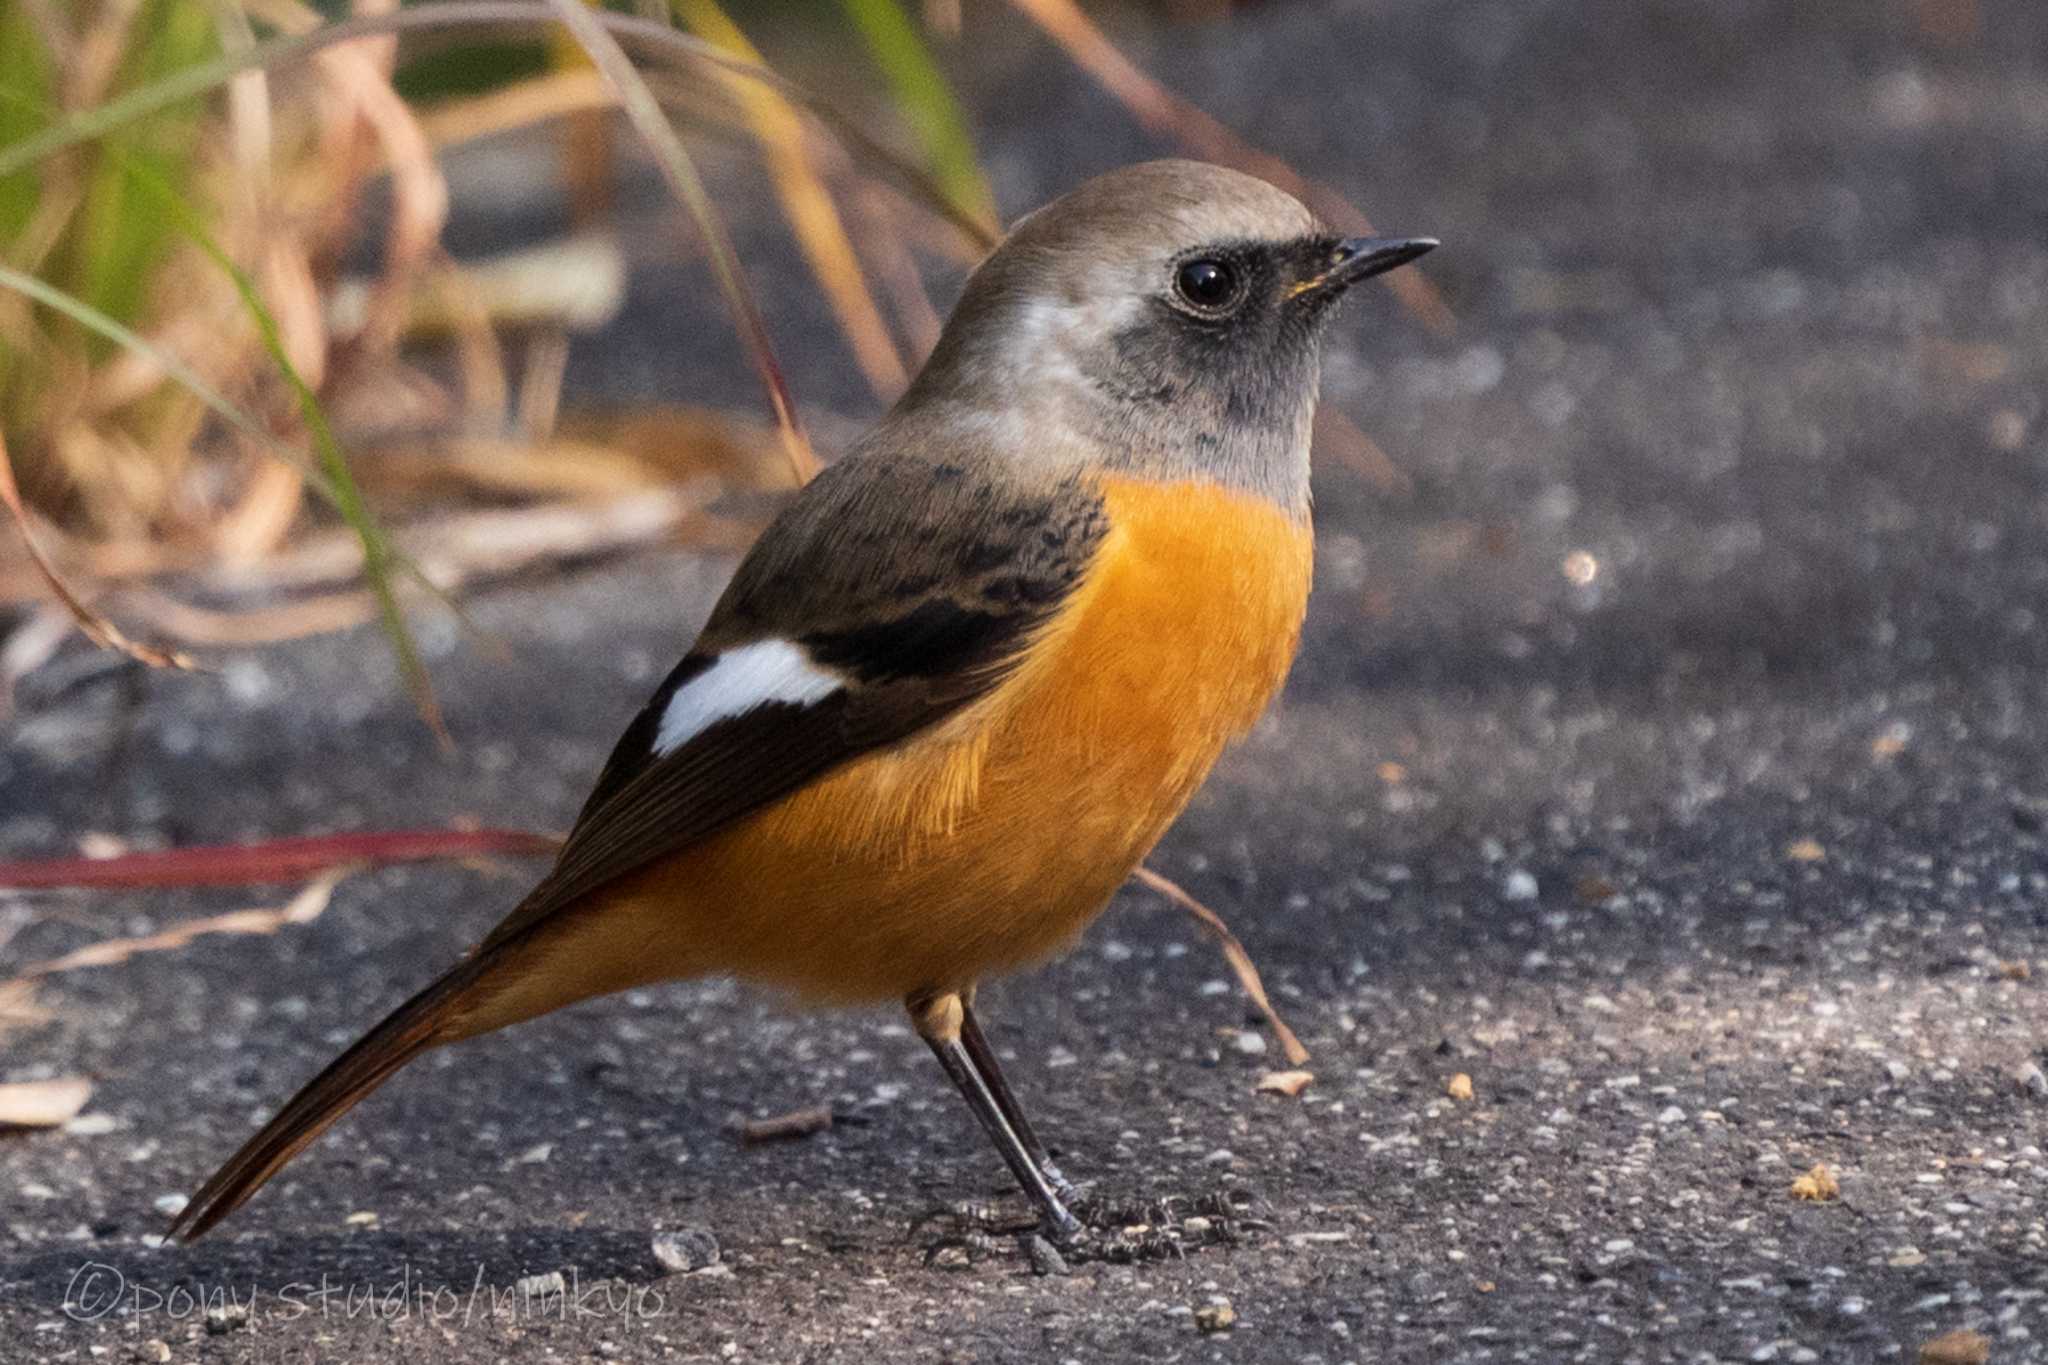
point(1360, 258)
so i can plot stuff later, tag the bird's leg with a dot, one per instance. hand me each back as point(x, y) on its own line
point(938, 1019)
point(984, 1059)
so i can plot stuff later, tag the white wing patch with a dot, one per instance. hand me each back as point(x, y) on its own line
point(740, 680)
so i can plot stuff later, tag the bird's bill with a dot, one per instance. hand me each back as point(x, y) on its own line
point(1360, 258)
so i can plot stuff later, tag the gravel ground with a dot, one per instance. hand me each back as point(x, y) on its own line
point(1665, 760)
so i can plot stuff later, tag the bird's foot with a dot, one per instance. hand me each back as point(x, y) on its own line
point(970, 1231)
point(1160, 1228)
point(1101, 1227)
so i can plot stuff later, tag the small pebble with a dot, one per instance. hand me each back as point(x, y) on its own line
point(685, 1249)
point(172, 1204)
point(540, 1286)
point(1045, 1258)
point(1251, 1043)
point(1519, 886)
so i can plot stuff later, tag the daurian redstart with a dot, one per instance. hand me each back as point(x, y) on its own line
point(970, 675)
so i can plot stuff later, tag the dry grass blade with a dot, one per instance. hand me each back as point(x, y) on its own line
point(536, 100)
point(1233, 951)
point(142, 102)
point(644, 111)
point(303, 908)
point(807, 204)
point(91, 624)
point(43, 1104)
point(180, 373)
point(1169, 115)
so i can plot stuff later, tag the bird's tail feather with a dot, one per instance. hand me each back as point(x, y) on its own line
point(417, 1025)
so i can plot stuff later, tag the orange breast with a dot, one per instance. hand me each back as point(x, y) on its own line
point(992, 842)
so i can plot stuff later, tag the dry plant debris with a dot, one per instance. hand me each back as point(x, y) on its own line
point(1956, 1348)
point(1817, 1186)
point(303, 908)
point(1233, 951)
point(1288, 1083)
point(1459, 1087)
point(798, 1123)
point(43, 1104)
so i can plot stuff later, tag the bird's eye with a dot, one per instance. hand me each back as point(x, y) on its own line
point(1207, 283)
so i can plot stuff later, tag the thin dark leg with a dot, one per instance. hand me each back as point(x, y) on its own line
point(984, 1059)
point(938, 1021)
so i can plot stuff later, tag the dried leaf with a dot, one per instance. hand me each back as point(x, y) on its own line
point(43, 1104)
point(1288, 1083)
point(1233, 952)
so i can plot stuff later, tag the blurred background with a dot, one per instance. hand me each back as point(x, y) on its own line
point(323, 334)
point(1663, 759)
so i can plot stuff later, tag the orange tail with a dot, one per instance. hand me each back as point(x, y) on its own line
point(420, 1023)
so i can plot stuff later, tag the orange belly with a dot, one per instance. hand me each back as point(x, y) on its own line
point(993, 841)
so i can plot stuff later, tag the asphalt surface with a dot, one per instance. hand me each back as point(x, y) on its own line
point(1666, 760)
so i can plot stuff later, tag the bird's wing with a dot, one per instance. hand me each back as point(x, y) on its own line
point(893, 592)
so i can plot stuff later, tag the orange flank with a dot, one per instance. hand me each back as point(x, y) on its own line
point(990, 842)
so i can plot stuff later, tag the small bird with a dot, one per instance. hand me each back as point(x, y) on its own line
point(970, 675)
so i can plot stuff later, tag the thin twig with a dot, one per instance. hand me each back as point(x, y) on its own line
point(1233, 951)
point(91, 624)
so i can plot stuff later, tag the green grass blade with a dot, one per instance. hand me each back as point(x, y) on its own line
point(92, 319)
point(926, 101)
point(26, 77)
point(379, 558)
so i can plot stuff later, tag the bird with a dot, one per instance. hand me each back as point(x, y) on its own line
point(969, 675)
